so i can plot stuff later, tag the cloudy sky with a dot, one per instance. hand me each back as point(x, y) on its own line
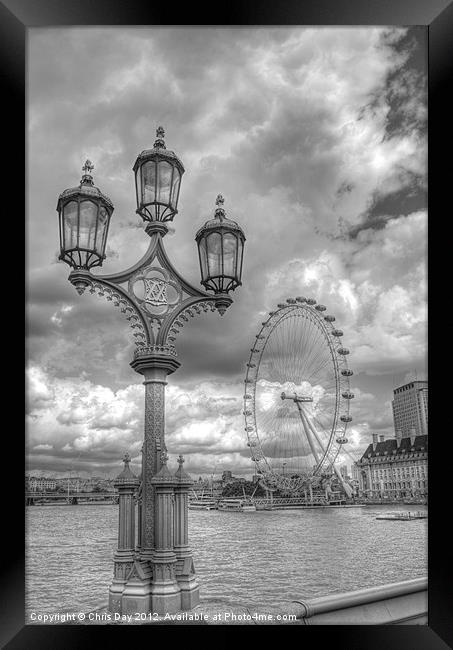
point(316, 137)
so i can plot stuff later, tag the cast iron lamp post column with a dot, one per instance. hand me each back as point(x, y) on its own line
point(157, 302)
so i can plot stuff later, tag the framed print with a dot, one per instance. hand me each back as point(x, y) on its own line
point(226, 320)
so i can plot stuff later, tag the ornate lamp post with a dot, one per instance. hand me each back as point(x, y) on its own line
point(157, 302)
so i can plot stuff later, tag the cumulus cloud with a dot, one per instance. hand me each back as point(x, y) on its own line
point(86, 423)
point(375, 286)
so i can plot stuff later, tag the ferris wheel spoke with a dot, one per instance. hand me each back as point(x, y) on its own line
point(318, 361)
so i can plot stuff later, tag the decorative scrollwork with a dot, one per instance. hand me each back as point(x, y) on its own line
point(126, 307)
point(187, 313)
point(146, 350)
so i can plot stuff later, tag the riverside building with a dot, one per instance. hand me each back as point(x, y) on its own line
point(395, 468)
point(410, 408)
point(40, 484)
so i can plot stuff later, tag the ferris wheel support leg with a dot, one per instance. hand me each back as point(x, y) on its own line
point(308, 433)
point(315, 433)
point(347, 488)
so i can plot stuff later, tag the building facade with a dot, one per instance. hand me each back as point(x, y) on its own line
point(40, 484)
point(395, 468)
point(410, 408)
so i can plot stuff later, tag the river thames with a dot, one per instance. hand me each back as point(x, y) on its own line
point(258, 558)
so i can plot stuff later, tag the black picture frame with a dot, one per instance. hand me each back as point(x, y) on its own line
point(16, 16)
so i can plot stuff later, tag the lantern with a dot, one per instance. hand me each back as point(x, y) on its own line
point(158, 174)
point(84, 216)
point(220, 247)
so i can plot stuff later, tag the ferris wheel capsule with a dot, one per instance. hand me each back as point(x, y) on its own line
point(320, 308)
point(336, 332)
point(281, 305)
point(342, 441)
point(247, 396)
point(251, 365)
point(346, 418)
point(291, 301)
point(347, 372)
point(329, 319)
point(247, 412)
point(343, 351)
point(301, 299)
point(347, 394)
point(311, 301)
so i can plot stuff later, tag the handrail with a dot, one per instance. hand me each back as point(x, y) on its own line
point(361, 597)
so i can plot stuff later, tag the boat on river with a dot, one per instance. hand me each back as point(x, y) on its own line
point(403, 516)
point(202, 503)
point(237, 505)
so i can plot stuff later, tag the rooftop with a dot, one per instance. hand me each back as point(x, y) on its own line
point(387, 447)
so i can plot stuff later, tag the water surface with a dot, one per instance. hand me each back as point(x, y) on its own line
point(256, 558)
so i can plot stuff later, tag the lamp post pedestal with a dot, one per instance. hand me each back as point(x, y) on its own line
point(166, 593)
point(185, 570)
point(126, 484)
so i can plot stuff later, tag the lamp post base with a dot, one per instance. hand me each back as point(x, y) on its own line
point(166, 598)
point(165, 590)
point(136, 596)
point(186, 577)
point(190, 592)
point(115, 595)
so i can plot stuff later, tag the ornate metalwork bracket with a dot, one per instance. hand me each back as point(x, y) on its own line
point(156, 300)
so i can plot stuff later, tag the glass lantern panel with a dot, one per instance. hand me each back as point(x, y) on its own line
point(70, 213)
point(240, 252)
point(230, 245)
point(203, 259)
point(163, 185)
point(103, 220)
point(214, 248)
point(138, 186)
point(87, 225)
point(149, 182)
point(175, 188)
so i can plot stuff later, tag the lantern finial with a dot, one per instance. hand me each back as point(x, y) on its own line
point(160, 143)
point(220, 212)
point(87, 178)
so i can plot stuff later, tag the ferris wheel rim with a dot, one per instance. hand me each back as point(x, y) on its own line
point(332, 336)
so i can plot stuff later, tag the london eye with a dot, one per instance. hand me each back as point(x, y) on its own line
point(297, 397)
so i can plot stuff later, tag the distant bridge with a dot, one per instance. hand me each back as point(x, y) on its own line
point(73, 498)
